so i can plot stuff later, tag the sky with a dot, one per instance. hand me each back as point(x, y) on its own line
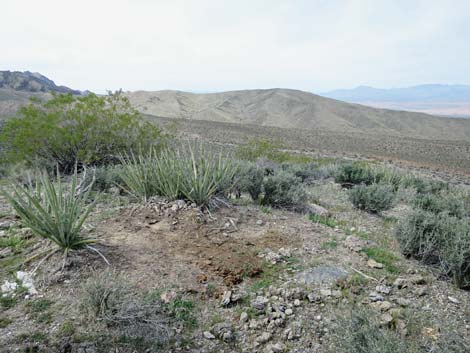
point(208, 46)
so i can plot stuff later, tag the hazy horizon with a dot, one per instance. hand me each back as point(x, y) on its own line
point(209, 46)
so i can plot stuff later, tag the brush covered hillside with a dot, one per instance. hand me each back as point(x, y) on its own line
point(287, 108)
point(17, 87)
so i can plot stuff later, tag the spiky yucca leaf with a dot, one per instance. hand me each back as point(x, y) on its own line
point(53, 211)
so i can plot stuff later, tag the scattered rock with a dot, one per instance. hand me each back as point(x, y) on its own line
point(317, 210)
point(8, 288)
point(265, 337)
point(259, 222)
point(386, 319)
point(403, 302)
point(325, 292)
point(27, 282)
point(226, 298)
point(453, 300)
point(243, 317)
point(354, 243)
point(208, 335)
point(383, 289)
point(385, 306)
point(374, 264)
point(417, 279)
point(400, 283)
point(223, 331)
point(260, 303)
point(297, 302)
point(168, 297)
point(421, 291)
point(275, 348)
point(288, 312)
point(322, 275)
point(375, 297)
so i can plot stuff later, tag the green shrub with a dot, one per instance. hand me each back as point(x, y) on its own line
point(251, 181)
point(69, 130)
point(264, 148)
point(103, 178)
point(361, 332)
point(438, 239)
point(53, 211)
point(372, 198)
point(424, 186)
point(454, 203)
point(283, 190)
point(360, 173)
point(195, 175)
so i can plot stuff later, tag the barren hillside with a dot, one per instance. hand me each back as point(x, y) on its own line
point(296, 109)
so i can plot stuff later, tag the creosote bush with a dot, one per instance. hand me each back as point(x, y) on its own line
point(361, 173)
point(69, 130)
point(373, 198)
point(197, 175)
point(53, 211)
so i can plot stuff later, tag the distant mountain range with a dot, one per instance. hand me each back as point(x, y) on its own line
point(447, 100)
point(284, 108)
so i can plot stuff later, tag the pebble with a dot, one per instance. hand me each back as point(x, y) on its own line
point(243, 317)
point(297, 302)
point(289, 312)
point(453, 300)
point(265, 337)
point(374, 264)
point(208, 335)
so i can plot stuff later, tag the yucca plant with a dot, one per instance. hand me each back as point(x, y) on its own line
point(195, 175)
point(136, 175)
point(54, 211)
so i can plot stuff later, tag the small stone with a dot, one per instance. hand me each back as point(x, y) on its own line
point(260, 303)
point(226, 298)
point(354, 243)
point(317, 318)
point(385, 306)
point(400, 283)
point(208, 335)
point(325, 292)
point(259, 222)
point(223, 331)
point(243, 317)
point(375, 297)
point(317, 210)
point(383, 289)
point(417, 279)
point(277, 348)
point(374, 264)
point(168, 297)
point(453, 300)
point(265, 337)
point(403, 302)
point(313, 298)
point(297, 302)
point(289, 312)
point(386, 318)
point(422, 291)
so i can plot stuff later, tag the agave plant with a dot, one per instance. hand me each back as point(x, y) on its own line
point(54, 211)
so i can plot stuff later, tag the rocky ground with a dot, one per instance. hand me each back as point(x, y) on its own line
point(252, 279)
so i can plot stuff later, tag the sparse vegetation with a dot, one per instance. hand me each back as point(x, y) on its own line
point(360, 331)
point(251, 181)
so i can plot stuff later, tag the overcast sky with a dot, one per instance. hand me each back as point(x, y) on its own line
point(205, 45)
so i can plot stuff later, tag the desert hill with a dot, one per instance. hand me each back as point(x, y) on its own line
point(288, 108)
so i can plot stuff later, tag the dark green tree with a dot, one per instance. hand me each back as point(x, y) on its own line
point(86, 130)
